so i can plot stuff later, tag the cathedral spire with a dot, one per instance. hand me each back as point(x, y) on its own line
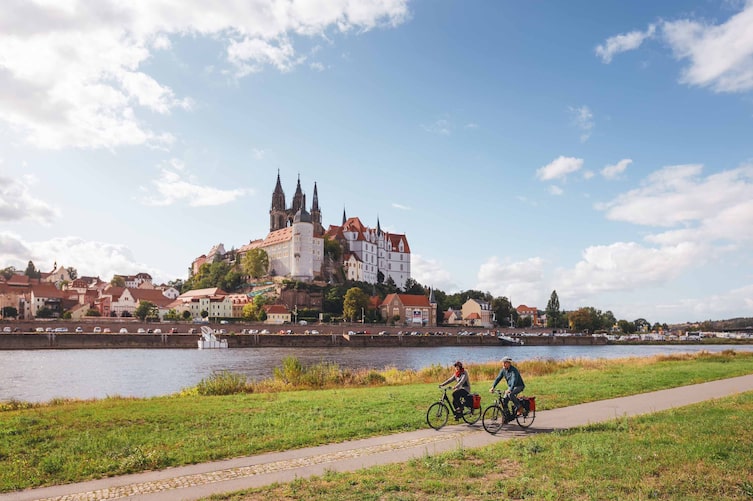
point(344, 218)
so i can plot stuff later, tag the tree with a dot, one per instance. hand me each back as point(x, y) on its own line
point(354, 303)
point(8, 272)
point(186, 315)
point(626, 327)
point(144, 309)
point(72, 272)
point(31, 271)
point(503, 310)
point(117, 281)
point(255, 263)
point(553, 314)
point(91, 312)
point(255, 309)
point(413, 287)
point(9, 312)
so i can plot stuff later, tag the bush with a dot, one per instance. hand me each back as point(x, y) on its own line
point(223, 383)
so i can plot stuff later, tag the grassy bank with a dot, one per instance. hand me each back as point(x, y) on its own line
point(699, 452)
point(68, 441)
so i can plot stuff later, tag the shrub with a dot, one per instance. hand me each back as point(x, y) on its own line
point(223, 383)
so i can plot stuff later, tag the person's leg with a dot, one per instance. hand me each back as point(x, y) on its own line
point(514, 397)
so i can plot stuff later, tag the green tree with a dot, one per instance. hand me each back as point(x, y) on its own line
point(10, 312)
point(72, 272)
point(355, 300)
point(186, 315)
point(553, 313)
point(503, 311)
point(172, 315)
point(91, 312)
point(8, 272)
point(31, 271)
point(255, 263)
point(144, 309)
point(413, 287)
point(626, 327)
point(117, 281)
point(255, 309)
point(45, 313)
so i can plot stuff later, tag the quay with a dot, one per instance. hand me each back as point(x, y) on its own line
point(72, 340)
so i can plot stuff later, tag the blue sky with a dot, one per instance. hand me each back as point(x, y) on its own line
point(599, 149)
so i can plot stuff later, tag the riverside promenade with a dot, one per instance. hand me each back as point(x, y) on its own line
point(202, 480)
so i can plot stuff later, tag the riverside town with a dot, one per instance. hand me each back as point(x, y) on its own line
point(344, 285)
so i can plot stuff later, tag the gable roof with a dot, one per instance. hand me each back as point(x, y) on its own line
point(407, 299)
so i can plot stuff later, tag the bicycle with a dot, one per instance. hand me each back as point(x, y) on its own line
point(439, 411)
point(499, 413)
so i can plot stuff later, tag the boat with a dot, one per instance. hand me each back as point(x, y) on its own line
point(510, 341)
point(209, 340)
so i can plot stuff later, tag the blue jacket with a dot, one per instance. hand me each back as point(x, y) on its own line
point(512, 376)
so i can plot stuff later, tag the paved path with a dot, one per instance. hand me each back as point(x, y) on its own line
point(201, 480)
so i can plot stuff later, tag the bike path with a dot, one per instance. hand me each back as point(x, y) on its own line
point(202, 480)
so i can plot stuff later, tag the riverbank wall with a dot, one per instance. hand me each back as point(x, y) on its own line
point(61, 341)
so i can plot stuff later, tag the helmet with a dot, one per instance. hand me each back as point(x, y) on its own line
point(507, 359)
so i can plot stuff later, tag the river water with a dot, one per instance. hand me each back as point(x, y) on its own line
point(41, 375)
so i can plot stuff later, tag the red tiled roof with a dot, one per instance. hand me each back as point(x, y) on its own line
point(408, 299)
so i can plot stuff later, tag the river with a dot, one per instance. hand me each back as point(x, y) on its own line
point(42, 375)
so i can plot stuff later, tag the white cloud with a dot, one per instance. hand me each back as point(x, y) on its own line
point(584, 120)
point(555, 190)
point(441, 126)
point(429, 272)
point(90, 258)
point(721, 56)
point(174, 185)
point(626, 266)
point(72, 75)
point(400, 206)
point(614, 171)
point(623, 43)
point(559, 168)
point(521, 282)
point(18, 204)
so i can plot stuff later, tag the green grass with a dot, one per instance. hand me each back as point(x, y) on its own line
point(699, 452)
point(70, 441)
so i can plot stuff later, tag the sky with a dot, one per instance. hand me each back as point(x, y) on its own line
point(602, 150)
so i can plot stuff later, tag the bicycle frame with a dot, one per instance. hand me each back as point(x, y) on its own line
point(439, 412)
point(498, 414)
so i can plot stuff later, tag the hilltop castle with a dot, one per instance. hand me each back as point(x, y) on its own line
point(295, 244)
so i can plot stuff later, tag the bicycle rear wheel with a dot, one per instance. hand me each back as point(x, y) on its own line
point(526, 419)
point(493, 419)
point(437, 415)
point(471, 416)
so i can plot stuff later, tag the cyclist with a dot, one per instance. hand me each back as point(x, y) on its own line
point(515, 384)
point(461, 389)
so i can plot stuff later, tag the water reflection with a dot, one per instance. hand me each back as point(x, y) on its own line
point(41, 375)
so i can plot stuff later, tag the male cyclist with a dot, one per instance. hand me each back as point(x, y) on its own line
point(461, 390)
point(515, 383)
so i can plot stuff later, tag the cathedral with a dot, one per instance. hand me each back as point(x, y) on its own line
point(281, 216)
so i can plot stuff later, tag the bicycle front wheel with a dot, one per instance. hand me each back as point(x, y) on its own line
point(471, 416)
point(493, 419)
point(526, 419)
point(437, 415)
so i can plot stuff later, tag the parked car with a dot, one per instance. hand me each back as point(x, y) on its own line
point(106, 330)
point(97, 330)
point(7, 329)
point(158, 331)
point(140, 330)
point(39, 329)
point(173, 330)
point(79, 329)
point(123, 330)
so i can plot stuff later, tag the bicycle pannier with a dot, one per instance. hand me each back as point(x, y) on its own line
point(476, 401)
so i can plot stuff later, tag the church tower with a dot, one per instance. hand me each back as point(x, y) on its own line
point(316, 214)
point(278, 212)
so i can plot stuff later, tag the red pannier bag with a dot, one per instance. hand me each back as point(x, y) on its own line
point(476, 401)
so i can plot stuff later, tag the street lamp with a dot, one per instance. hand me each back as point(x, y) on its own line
point(361, 315)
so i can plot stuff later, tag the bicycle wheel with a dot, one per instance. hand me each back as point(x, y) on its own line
point(526, 419)
point(471, 416)
point(493, 419)
point(437, 415)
